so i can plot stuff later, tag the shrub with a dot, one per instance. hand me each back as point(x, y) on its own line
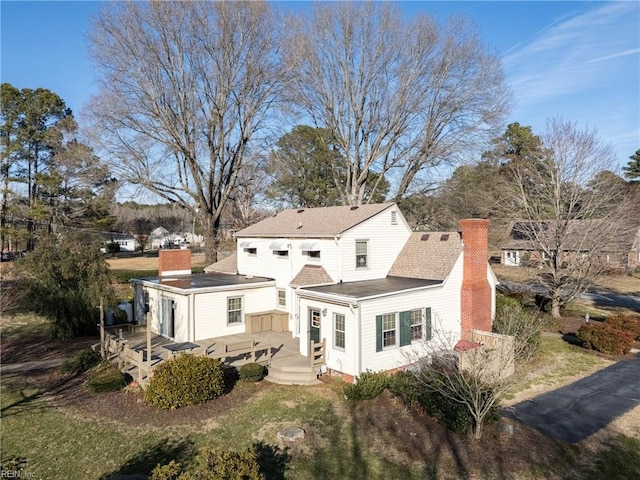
point(367, 387)
point(82, 361)
point(229, 465)
point(251, 372)
point(525, 327)
point(106, 377)
point(404, 384)
point(605, 338)
point(185, 380)
point(214, 465)
point(454, 415)
point(630, 323)
point(170, 471)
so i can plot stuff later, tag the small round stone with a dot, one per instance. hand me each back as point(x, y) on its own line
point(291, 434)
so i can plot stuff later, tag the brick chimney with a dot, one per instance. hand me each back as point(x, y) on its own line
point(476, 292)
point(174, 262)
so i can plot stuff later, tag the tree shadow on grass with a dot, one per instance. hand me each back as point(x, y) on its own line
point(273, 461)
point(183, 451)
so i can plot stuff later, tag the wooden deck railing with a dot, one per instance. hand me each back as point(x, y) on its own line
point(317, 353)
point(117, 349)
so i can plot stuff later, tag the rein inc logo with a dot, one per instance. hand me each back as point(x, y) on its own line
point(16, 474)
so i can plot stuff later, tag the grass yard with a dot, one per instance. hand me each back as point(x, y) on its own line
point(622, 283)
point(52, 428)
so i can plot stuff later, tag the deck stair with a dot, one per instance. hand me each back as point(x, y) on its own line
point(292, 372)
point(295, 369)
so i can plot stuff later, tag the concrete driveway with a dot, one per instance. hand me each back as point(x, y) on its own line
point(580, 409)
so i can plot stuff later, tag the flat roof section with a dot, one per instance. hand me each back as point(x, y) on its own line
point(369, 288)
point(205, 280)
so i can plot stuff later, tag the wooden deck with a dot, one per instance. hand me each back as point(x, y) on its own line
point(279, 349)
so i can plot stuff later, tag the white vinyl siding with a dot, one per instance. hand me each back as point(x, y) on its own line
point(384, 243)
point(210, 311)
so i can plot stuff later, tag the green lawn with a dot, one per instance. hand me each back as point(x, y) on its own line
point(48, 439)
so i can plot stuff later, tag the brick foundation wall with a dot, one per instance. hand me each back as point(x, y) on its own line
point(174, 262)
point(476, 291)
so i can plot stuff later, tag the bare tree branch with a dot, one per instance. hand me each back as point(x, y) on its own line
point(185, 87)
point(399, 97)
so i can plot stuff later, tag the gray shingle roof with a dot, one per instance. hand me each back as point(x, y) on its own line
point(313, 222)
point(226, 265)
point(428, 255)
point(311, 275)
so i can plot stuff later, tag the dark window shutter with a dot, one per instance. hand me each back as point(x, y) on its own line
point(427, 321)
point(405, 328)
point(378, 333)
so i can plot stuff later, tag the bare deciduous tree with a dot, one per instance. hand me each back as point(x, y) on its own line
point(184, 88)
point(476, 378)
point(567, 212)
point(398, 96)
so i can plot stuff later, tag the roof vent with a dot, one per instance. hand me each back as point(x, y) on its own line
point(444, 238)
point(300, 210)
point(300, 225)
point(424, 237)
point(354, 207)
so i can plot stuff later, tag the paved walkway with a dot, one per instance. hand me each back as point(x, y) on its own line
point(28, 366)
point(580, 409)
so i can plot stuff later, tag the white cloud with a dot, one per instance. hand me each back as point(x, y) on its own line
point(586, 68)
point(564, 57)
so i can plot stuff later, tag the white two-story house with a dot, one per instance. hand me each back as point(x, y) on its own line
point(354, 276)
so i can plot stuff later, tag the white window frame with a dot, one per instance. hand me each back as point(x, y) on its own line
point(366, 254)
point(337, 333)
point(396, 337)
point(282, 298)
point(417, 320)
point(230, 311)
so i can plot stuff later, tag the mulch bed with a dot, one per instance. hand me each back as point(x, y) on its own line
point(128, 406)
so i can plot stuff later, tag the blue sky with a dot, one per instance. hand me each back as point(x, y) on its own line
point(579, 60)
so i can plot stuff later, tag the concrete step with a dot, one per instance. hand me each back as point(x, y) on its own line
point(292, 375)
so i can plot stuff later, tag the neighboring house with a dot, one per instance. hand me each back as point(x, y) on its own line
point(160, 237)
point(357, 277)
point(619, 251)
point(127, 242)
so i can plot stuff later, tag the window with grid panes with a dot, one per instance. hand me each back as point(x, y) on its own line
point(416, 324)
point(339, 337)
point(389, 330)
point(362, 260)
point(234, 310)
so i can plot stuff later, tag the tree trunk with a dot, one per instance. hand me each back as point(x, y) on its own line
point(477, 430)
point(555, 307)
point(211, 236)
